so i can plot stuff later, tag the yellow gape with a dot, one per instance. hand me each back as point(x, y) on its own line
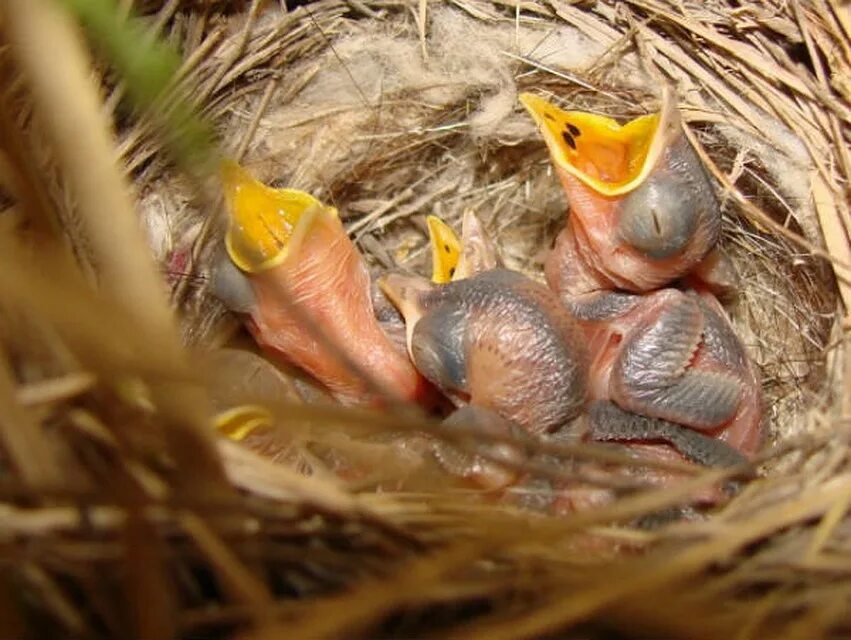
point(263, 220)
point(610, 158)
point(237, 423)
point(445, 250)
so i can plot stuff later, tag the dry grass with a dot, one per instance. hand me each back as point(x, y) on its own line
point(123, 517)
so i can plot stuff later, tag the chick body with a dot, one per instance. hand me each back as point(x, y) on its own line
point(674, 356)
point(503, 342)
point(305, 290)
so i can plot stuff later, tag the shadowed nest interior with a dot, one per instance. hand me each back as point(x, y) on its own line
point(392, 111)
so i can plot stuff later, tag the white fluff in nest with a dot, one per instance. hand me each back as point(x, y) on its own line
point(463, 54)
point(377, 65)
point(157, 224)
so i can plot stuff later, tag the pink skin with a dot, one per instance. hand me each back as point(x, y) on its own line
point(589, 254)
point(608, 338)
point(744, 431)
point(326, 277)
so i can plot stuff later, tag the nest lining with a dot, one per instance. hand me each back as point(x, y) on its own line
point(391, 127)
point(442, 563)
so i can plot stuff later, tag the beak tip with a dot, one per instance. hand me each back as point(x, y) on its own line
point(231, 174)
point(433, 224)
point(532, 104)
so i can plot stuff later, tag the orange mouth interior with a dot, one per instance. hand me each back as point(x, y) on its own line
point(262, 220)
point(609, 157)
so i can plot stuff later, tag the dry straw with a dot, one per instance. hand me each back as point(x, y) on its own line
point(123, 516)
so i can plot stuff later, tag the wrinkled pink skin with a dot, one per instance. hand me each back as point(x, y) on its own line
point(607, 340)
point(590, 256)
point(328, 280)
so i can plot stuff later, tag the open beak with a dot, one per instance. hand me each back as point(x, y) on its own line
point(265, 224)
point(445, 250)
point(454, 259)
point(610, 158)
point(308, 295)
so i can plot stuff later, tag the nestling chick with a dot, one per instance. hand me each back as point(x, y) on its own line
point(292, 266)
point(673, 356)
point(642, 209)
point(609, 321)
point(499, 340)
point(453, 259)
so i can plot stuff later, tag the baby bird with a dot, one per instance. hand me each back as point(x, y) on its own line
point(669, 379)
point(453, 259)
point(638, 333)
point(292, 268)
point(673, 357)
point(498, 340)
point(642, 209)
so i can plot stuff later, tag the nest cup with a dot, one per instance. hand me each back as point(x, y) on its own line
point(390, 112)
point(392, 116)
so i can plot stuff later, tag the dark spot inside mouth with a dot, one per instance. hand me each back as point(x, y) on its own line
point(574, 130)
point(549, 116)
point(569, 140)
point(446, 248)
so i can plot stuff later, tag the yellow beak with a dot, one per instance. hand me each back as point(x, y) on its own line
point(239, 422)
point(445, 250)
point(610, 158)
point(453, 259)
point(264, 222)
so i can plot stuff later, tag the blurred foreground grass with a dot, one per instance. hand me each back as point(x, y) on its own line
point(148, 68)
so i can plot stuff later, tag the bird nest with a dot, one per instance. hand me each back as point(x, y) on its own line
point(123, 516)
